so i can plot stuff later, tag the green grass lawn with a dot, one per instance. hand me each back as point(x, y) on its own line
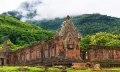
point(16, 69)
point(71, 70)
point(35, 69)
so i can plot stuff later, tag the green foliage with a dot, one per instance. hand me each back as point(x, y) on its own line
point(21, 33)
point(34, 69)
point(114, 43)
point(84, 42)
point(101, 38)
point(10, 45)
point(1, 47)
point(48, 24)
point(87, 24)
point(104, 28)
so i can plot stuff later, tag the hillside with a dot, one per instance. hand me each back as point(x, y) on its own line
point(87, 24)
point(21, 33)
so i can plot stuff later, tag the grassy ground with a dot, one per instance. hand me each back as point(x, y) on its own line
point(70, 70)
point(17, 69)
point(35, 69)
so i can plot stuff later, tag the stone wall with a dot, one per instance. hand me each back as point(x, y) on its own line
point(99, 53)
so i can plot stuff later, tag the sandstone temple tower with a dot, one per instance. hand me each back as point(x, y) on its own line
point(4, 53)
point(67, 40)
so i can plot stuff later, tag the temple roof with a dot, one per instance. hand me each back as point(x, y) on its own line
point(68, 28)
point(5, 46)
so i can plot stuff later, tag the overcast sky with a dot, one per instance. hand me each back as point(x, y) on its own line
point(61, 8)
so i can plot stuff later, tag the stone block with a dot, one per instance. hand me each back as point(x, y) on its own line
point(81, 66)
point(97, 67)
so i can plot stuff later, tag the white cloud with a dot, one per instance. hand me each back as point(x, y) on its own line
point(8, 5)
point(61, 8)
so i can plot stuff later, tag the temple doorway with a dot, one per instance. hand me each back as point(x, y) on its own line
point(4, 61)
point(83, 56)
point(1, 61)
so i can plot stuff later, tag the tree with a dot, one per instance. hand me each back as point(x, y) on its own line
point(113, 43)
point(101, 38)
point(84, 43)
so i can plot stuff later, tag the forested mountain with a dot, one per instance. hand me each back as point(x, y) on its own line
point(87, 24)
point(21, 33)
point(106, 27)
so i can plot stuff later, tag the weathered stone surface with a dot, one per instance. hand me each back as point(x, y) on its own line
point(97, 67)
point(90, 65)
point(81, 66)
point(67, 40)
point(99, 53)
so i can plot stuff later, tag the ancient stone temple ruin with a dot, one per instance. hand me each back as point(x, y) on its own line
point(101, 53)
point(4, 54)
point(62, 49)
point(67, 40)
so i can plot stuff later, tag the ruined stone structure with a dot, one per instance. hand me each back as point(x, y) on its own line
point(62, 49)
point(100, 53)
point(5, 53)
point(67, 40)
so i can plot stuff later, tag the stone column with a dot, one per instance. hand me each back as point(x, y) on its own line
point(5, 61)
point(0, 62)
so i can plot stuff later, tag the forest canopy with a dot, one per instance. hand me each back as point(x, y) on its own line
point(101, 38)
point(21, 33)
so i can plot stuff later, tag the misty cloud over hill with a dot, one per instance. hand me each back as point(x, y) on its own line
point(26, 10)
point(50, 9)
